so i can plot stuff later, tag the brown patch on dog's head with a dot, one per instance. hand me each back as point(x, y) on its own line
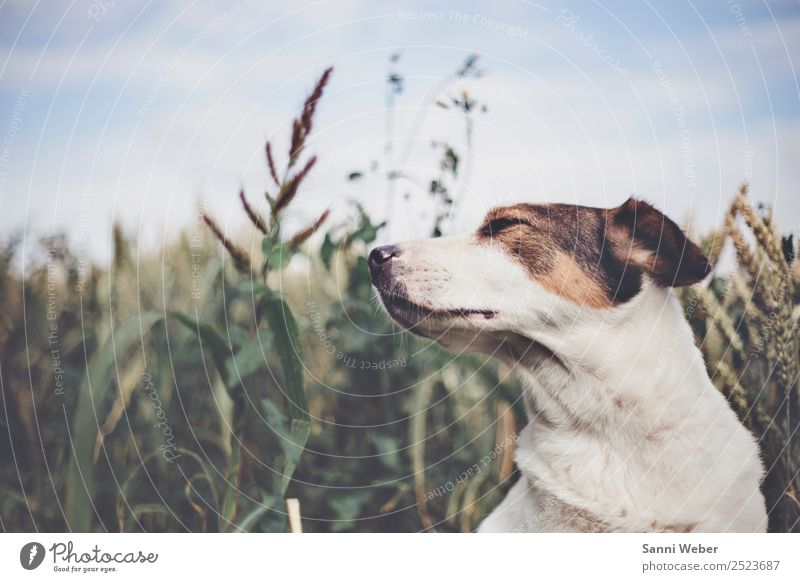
point(593, 256)
point(568, 279)
point(565, 250)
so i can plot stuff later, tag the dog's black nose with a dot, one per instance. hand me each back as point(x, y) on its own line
point(381, 255)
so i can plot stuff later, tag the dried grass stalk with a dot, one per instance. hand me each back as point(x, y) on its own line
point(271, 165)
point(241, 259)
point(293, 510)
point(306, 233)
point(254, 216)
point(301, 127)
point(757, 365)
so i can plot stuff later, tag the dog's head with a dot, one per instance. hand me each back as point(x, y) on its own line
point(529, 265)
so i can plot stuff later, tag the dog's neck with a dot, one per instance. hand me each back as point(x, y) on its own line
point(612, 359)
point(603, 395)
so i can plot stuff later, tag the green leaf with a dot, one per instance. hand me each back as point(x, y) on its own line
point(366, 231)
point(269, 503)
point(347, 506)
point(287, 344)
point(250, 357)
point(270, 201)
point(279, 257)
point(292, 448)
point(231, 497)
point(360, 279)
point(419, 437)
point(298, 434)
point(220, 349)
point(78, 507)
point(326, 251)
point(388, 448)
point(251, 287)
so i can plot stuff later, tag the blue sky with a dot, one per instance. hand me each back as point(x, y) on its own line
point(132, 112)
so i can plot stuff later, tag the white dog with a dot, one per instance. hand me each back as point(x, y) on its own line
point(626, 430)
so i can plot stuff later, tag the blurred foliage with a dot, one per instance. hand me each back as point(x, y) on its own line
point(221, 384)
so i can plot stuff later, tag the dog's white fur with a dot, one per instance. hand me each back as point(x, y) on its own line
point(626, 431)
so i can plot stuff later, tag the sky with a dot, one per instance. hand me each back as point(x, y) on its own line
point(139, 113)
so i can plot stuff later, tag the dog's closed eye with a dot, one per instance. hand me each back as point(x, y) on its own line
point(498, 225)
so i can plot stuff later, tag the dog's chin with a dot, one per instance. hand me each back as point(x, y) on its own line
point(422, 318)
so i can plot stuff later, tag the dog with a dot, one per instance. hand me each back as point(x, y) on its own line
point(626, 431)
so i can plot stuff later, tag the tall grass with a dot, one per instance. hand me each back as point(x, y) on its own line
point(747, 325)
point(199, 386)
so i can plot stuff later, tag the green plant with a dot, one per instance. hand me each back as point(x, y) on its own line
point(275, 326)
point(450, 183)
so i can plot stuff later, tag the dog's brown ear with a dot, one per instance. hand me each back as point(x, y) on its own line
point(644, 237)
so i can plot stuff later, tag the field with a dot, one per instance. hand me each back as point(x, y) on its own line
point(197, 386)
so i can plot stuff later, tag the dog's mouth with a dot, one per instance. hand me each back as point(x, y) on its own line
point(409, 313)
